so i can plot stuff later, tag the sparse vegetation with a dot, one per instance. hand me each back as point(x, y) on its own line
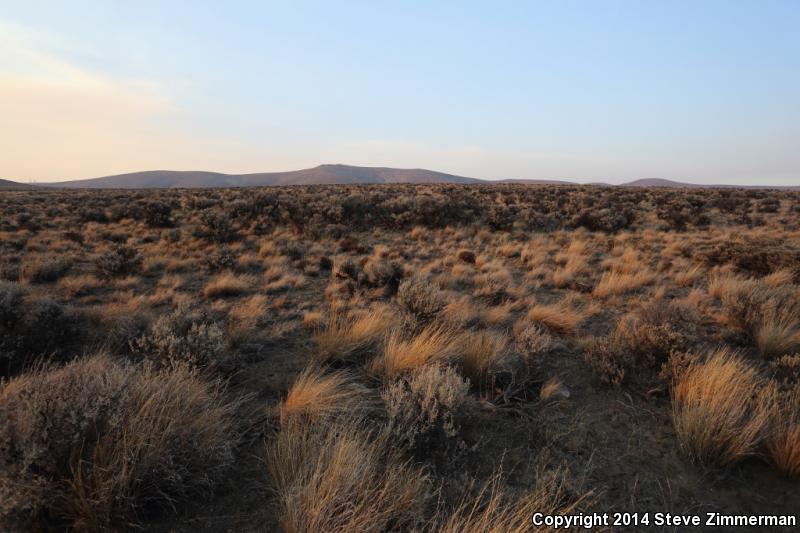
point(392, 348)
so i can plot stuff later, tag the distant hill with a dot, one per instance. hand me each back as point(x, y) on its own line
point(323, 174)
point(655, 182)
point(8, 185)
point(682, 185)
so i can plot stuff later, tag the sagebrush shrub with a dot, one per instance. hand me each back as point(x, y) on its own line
point(643, 339)
point(532, 341)
point(121, 260)
point(96, 444)
point(157, 214)
point(182, 338)
point(44, 269)
point(420, 297)
point(381, 272)
point(32, 328)
point(426, 404)
point(216, 226)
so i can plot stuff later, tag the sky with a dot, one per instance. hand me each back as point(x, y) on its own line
point(700, 91)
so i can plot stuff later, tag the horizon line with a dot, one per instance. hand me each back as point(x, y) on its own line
point(565, 181)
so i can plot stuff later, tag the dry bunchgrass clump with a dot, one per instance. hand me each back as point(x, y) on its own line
point(248, 313)
point(558, 317)
point(317, 395)
point(343, 477)
point(227, 284)
point(720, 413)
point(777, 336)
point(461, 312)
point(614, 282)
point(348, 336)
point(95, 445)
point(492, 510)
point(779, 277)
point(783, 442)
point(484, 355)
point(553, 388)
point(722, 284)
point(81, 285)
point(767, 315)
point(425, 404)
point(435, 344)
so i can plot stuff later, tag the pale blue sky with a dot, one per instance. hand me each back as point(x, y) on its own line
point(611, 91)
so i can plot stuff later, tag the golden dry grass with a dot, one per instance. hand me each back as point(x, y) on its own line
point(73, 286)
point(722, 284)
point(462, 311)
point(784, 448)
point(435, 344)
point(558, 317)
point(769, 315)
point(550, 389)
point(483, 353)
point(316, 394)
point(227, 284)
point(348, 335)
point(783, 443)
point(612, 283)
point(688, 277)
point(493, 511)
point(718, 416)
point(341, 478)
point(249, 311)
point(777, 335)
point(778, 278)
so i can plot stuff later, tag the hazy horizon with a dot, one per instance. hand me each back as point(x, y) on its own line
point(577, 91)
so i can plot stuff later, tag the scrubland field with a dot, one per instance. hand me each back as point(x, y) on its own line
point(397, 357)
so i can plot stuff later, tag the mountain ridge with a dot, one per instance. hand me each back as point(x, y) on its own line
point(323, 175)
point(8, 185)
